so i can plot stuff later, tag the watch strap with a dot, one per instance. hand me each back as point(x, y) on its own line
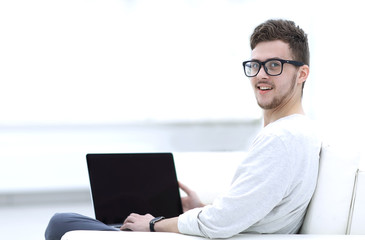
point(153, 221)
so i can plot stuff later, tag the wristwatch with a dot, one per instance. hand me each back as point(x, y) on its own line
point(153, 221)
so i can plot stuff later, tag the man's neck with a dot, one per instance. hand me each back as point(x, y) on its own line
point(271, 115)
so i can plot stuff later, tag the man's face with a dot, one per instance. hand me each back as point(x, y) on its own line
point(274, 92)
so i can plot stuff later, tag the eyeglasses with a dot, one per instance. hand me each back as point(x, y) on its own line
point(273, 67)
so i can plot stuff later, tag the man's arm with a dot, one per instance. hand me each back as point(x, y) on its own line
point(167, 225)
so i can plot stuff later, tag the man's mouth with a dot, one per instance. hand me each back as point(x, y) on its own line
point(264, 88)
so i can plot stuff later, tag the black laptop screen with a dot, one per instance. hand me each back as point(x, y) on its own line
point(142, 183)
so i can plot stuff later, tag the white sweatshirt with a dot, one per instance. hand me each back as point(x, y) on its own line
point(272, 186)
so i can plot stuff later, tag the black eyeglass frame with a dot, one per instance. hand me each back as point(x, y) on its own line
point(295, 63)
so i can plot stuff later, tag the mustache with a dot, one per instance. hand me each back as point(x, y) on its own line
point(265, 83)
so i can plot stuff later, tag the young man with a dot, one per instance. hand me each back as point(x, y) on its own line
point(273, 185)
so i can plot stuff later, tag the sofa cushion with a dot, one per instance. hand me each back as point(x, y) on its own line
point(113, 235)
point(328, 212)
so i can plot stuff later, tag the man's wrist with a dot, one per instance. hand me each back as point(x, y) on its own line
point(153, 221)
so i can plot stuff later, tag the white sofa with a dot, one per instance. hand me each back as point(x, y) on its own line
point(337, 210)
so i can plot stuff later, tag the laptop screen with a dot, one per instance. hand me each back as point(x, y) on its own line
point(141, 183)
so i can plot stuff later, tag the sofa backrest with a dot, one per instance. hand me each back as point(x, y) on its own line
point(329, 210)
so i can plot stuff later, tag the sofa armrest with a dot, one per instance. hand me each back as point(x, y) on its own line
point(102, 235)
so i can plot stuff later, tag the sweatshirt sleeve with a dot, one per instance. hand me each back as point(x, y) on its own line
point(260, 183)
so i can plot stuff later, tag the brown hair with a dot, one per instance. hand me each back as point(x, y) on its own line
point(285, 31)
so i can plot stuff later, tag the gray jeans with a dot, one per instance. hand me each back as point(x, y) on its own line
point(61, 223)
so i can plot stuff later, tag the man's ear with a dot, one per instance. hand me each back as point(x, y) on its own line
point(303, 73)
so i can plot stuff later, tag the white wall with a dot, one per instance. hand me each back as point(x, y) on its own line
point(79, 61)
point(338, 49)
point(119, 61)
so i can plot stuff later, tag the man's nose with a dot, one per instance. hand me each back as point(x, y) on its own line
point(262, 73)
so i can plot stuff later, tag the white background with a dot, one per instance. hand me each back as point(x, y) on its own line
point(92, 61)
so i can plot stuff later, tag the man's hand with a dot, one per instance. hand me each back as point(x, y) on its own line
point(136, 222)
point(191, 201)
point(141, 223)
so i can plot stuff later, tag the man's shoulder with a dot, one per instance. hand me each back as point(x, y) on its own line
point(293, 128)
point(293, 124)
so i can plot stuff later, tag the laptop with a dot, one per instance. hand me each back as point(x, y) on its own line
point(127, 183)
